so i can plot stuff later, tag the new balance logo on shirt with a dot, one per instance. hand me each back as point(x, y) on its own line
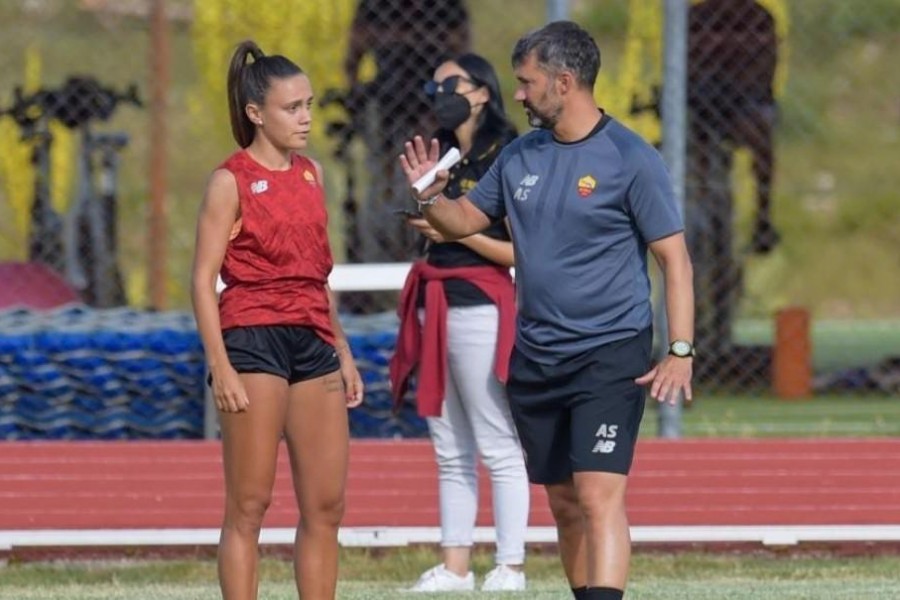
point(606, 434)
point(258, 187)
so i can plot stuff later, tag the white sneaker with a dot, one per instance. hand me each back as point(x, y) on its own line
point(439, 579)
point(503, 579)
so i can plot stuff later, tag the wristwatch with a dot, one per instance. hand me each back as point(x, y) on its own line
point(681, 349)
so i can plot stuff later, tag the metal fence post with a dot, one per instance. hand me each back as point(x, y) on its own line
point(157, 227)
point(674, 127)
point(210, 414)
point(557, 10)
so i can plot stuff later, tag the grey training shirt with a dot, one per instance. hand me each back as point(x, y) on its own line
point(581, 216)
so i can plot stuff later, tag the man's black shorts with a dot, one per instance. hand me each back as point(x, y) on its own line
point(582, 414)
point(293, 352)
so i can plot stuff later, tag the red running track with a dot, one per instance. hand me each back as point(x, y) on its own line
point(109, 485)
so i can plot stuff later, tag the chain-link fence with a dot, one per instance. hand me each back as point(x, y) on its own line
point(792, 119)
point(732, 57)
point(777, 93)
point(80, 244)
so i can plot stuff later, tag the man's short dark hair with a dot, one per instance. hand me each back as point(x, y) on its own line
point(561, 46)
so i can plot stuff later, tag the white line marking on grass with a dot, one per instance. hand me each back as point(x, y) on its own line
point(402, 536)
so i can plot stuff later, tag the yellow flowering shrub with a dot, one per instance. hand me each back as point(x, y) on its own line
point(312, 34)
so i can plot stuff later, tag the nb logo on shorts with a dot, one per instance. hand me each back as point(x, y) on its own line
point(606, 433)
point(604, 447)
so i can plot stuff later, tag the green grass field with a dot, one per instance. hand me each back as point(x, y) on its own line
point(364, 576)
point(765, 416)
point(836, 343)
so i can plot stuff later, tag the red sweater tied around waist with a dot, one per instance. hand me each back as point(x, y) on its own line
point(427, 348)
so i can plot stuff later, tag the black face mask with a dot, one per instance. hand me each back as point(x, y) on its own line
point(451, 110)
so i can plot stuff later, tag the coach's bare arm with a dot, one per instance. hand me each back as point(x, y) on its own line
point(672, 376)
point(454, 219)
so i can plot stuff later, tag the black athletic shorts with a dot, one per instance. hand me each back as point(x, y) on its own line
point(582, 414)
point(293, 352)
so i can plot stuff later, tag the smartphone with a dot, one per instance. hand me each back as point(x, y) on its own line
point(408, 213)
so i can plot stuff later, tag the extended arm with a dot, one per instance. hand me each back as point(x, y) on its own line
point(454, 219)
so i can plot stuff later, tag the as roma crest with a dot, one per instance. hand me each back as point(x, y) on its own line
point(586, 186)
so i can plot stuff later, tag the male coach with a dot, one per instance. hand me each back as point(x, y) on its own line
point(585, 198)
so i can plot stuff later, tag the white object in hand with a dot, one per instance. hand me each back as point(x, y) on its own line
point(448, 160)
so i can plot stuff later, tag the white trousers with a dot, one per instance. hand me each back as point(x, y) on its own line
point(476, 422)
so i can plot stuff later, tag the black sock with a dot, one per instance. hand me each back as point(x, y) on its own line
point(603, 593)
point(579, 592)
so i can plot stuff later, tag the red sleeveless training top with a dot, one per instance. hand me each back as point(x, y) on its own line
point(277, 265)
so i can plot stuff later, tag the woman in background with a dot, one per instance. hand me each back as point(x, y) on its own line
point(457, 314)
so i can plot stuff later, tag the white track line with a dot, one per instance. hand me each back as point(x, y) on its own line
point(781, 535)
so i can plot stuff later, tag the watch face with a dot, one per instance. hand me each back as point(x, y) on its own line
point(681, 348)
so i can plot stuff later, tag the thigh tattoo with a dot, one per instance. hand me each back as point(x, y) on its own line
point(333, 382)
